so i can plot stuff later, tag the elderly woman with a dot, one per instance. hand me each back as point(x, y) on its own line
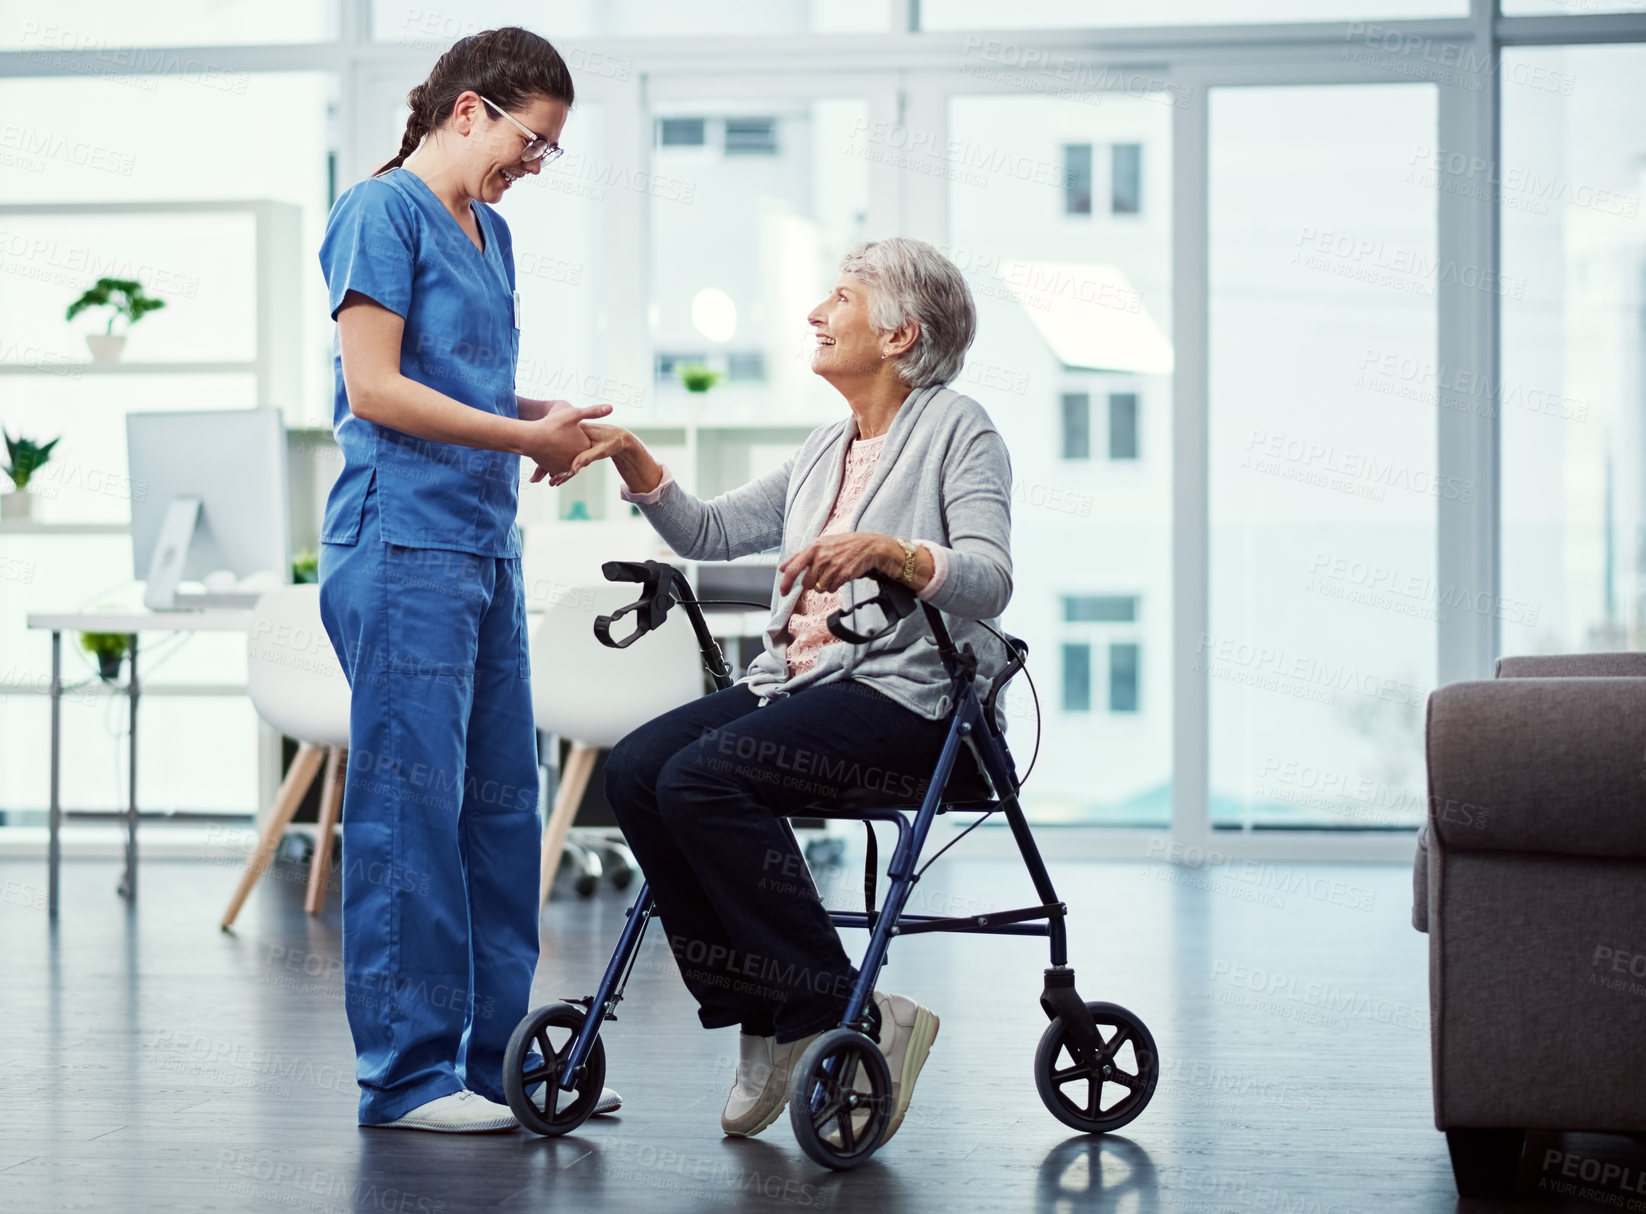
point(914, 484)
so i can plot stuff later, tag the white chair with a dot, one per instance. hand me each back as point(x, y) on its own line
point(297, 685)
point(593, 695)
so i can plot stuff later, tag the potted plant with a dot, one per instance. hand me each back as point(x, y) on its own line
point(697, 378)
point(24, 457)
point(109, 648)
point(305, 568)
point(122, 297)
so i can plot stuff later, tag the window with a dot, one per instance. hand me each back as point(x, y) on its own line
point(1123, 655)
point(743, 365)
point(1532, 8)
point(1573, 518)
point(1077, 179)
point(79, 138)
point(1099, 609)
point(1036, 284)
point(668, 364)
point(1077, 426)
point(1123, 661)
point(1126, 178)
point(1123, 676)
point(1123, 425)
point(1077, 678)
point(751, 136)
point(433, 28)
point(680, 132)
point(1315, 657)
point(1082, 14)
point(766, 233)
point(54, 32)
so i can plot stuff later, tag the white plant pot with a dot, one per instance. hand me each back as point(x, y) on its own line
point(18, 504)
point(106, 347)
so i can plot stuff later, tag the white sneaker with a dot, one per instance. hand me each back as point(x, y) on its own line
point(609, 1101)
point(761, 1088)
point(907, 1031)
point(459, 1113)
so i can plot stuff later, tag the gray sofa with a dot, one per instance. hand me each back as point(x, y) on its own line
point(1531, 883)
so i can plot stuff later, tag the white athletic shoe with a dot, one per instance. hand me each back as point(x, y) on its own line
point(609, 1101)
point(459, 1113)
point(907, 1031)
point(761, 1088)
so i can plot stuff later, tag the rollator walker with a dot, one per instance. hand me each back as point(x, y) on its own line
point(1101, 1046)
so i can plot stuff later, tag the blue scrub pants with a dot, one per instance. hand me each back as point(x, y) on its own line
point(440, 822)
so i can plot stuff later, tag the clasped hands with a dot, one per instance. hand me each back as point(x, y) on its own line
point(554, 435)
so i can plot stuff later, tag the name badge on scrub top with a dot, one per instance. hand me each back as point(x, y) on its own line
point(517, 309)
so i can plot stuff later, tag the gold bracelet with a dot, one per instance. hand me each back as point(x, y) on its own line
point(907, 576)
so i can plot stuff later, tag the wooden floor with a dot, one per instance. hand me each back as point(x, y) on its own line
point(151, 1062)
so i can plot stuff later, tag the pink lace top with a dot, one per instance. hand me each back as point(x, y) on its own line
point(809, 622)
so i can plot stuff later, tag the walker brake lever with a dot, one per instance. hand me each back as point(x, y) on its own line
point(650, 609)
point(895, 600)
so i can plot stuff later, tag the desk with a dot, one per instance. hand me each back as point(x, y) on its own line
point(726, 624)
point(133, 622)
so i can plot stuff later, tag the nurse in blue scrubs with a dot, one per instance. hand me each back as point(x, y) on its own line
point(421, 593)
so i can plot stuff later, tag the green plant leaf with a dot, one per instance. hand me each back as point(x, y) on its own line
point(122, 296)
point(100, 643)
point(25, 457)
point(696, 378)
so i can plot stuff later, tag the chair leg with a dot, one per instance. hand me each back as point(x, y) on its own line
point(331, 805)
point(298, 779)
point(573, 781)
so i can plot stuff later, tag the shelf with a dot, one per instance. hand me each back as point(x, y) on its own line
point(35, 527)
point(73, 370)
point(96, 687)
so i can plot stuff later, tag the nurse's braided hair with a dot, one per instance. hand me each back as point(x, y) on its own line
point(508, 66)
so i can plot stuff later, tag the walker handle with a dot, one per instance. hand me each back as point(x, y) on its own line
point(650, 609)
point(894, 599)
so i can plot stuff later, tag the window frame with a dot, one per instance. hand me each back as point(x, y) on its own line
point(910, 79)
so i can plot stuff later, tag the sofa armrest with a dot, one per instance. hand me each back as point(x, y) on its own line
point(1573, 666)
point(1549, 765)
point(1420, 880)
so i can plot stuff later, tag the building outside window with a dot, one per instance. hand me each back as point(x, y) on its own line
point(1077, 179)
point(1107, 625)
point(744, 365)
point(1126, 178)
point(668, 364)
point(751, 136)
point(1123, 425)
point(1077, 678)
point(1077, 425)
point(680, 132)
point(1124, 657)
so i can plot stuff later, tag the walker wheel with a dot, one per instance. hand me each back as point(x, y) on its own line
point(1098, 1094)
point(840, 1098)
point(535, 1095)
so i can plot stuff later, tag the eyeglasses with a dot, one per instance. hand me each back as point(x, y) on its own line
point(537, 147)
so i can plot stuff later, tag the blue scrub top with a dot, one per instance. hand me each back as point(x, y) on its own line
point(392, 240)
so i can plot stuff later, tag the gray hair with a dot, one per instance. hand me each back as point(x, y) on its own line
point(910, 280)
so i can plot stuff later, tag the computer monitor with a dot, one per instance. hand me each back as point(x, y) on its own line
point(208, 497)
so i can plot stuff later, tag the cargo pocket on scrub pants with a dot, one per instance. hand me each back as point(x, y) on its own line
point(522, 622)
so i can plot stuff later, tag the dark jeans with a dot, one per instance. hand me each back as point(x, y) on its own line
point(699, 793)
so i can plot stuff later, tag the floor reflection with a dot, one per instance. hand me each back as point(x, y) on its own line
point(1097, 1172)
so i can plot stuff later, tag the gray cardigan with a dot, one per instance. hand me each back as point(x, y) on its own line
point(943, 476)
